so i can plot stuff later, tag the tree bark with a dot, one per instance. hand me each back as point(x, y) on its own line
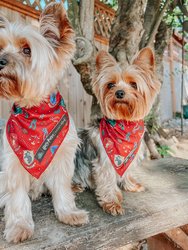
point(151, 146)
point(152, 19)
point(87, 19)
point(127, 30)
point(158, 20)
point(74, 16)
point(82, 16)
point(149, 19)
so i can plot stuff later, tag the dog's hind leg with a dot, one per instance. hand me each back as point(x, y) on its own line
point(130, 184)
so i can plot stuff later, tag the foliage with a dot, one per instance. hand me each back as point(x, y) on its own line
point(164, 150)
point(174, 18)
point(111, 3)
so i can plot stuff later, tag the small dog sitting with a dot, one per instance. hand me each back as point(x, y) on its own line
point(125, 95)
point(40, 141)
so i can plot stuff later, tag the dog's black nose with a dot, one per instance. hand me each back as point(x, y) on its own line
point(3, 63)
point(120, 94)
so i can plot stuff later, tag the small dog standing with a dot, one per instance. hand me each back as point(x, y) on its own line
point(125, 95)
point(39, 129)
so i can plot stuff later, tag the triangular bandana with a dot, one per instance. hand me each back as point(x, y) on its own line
point(36, 133)
point(121, 140)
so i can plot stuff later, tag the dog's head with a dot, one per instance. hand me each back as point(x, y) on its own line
point(125, 92)
point(31, 59)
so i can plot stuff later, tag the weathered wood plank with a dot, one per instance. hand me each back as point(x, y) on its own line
point(161, 242)
point(178, 237)
point(161, 207)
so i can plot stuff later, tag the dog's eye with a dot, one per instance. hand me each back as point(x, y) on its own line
point(134, 85)
point(111, 85)
point(27, 51)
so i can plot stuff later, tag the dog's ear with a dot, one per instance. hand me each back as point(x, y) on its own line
point(55, 27)
point(145, 57)
point(104, 60)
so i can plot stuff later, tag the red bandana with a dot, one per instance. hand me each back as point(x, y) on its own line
point(121, 140)
point(35, 134)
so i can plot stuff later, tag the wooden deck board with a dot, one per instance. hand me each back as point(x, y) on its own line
point(161, 207)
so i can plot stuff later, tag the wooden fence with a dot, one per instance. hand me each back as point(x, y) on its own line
point(103, 15)
point(103, 19)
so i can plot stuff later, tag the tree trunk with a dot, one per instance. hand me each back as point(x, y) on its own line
point(149, 20)
point(82, 16)
point(86, 19)
point(127, 30)
point(151, 146)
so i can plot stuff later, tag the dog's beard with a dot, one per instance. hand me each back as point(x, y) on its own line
point(130, 108)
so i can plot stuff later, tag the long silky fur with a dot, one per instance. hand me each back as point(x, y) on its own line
point(85, 156)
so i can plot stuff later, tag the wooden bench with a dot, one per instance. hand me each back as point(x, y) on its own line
point(163, 206)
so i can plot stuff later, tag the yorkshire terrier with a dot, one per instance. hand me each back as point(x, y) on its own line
point(40, 140)
point(112, 145)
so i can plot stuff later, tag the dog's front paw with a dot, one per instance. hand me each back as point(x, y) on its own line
point(74, 218)
point(136, 188)
point(19, 232)
point(132, 185)
point(113, 208)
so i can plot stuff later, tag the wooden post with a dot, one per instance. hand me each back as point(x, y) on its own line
point(172, 83)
